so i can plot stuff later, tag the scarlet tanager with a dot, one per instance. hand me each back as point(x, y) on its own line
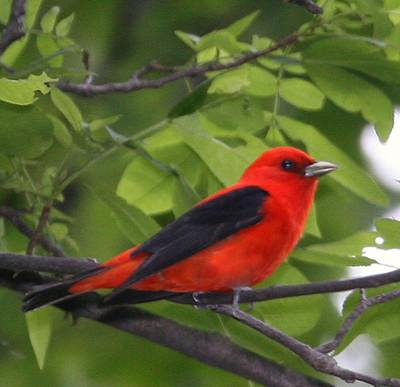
point(234, 238)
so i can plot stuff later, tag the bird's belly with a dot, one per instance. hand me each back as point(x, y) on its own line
point(240, 260)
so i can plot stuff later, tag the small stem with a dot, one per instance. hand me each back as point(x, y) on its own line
point(37, 233)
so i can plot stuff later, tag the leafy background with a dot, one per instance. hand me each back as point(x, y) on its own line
point(154, 153)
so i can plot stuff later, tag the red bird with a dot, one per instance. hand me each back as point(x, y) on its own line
point(234, 238)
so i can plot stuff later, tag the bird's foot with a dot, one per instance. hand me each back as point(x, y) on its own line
point(236, 298)
point(197, 301)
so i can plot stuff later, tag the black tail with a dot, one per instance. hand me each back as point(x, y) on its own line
point(49, 294)
point(53, 293)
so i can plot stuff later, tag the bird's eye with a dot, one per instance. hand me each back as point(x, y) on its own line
point(288, 165)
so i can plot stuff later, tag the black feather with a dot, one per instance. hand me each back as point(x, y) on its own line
point(201, 227)
point(53, 293)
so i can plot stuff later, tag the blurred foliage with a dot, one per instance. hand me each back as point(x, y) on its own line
point(119, 167)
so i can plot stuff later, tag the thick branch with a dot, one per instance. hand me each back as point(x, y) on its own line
point(18, 262)
point(16, 218)
point(136, 82)
point(320, 361)
point(207, 347)
point(15, 28)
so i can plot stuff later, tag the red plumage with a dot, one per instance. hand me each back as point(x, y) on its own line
point(234, 238)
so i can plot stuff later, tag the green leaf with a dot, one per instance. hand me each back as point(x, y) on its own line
point(244, 114)
point(301, 94)
point(189, 39)
point(67, 107)
point(5, 11)
point(22, 91)
point(290, 314)
point(39, 325)
point(192, 102)
point(184, 197)
point(64, 26)
point(230, 82)
point(353, 94)
point(22, 140)
point(350, 246)
point(312, 224)
point(326, 259)
point(262, 82)
point(13, 51)
point(241, 25)
point(226, 165)
point(60, 131)
point(223, 40)
point(354, 54)
point(349, 174)
point(102, 122)
point(49, 19)
point(389, 229)
point(133, 222)
point(47, 47)
point(147, 187)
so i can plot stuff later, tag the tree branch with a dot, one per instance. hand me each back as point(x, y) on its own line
point(37, 233)
point(365, 304)
point(136, 82)
point(207, 347)
point(309, 5)
point(67, 265)
point(15, 28)
point(319, 361)
point(16, 218)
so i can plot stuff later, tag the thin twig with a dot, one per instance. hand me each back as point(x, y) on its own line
point(208, 347)
point(364, 305)
point(38, 232)
point(319, 361)
point(15, 28)
point(136, 82)
point(16, 218)
point(309, 5)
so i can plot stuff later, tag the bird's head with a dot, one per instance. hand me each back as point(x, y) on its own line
point(288, 164)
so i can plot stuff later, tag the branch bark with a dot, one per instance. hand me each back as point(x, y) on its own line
point(309, 5)
point(16, 218)
point(319, 361)
point(15, 28)
point(207, 347)
point(68, 265)
point(137, 82)
point(365, 304)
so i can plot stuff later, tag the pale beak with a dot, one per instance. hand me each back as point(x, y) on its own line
point(319, 168)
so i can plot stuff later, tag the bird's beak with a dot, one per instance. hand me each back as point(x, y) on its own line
point(319, 168)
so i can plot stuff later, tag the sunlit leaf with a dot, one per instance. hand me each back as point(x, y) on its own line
point(61, 132)
point(389, 229)
point(238, 27)
point(133, 223)
point(22, 91)
point(63, 27)
point(67, 107)
point(301, 93)
point(39, 325)
point(47, 47)
point(362, 96)
point(48, 20)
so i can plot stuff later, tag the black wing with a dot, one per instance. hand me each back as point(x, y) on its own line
point(199, 228)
